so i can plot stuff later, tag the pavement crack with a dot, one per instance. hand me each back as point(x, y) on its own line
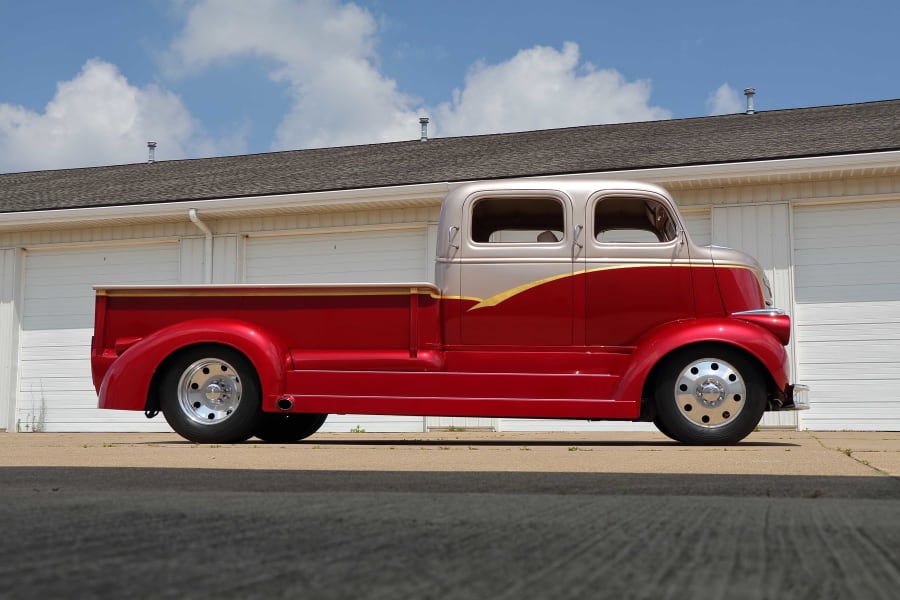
point(848, 452)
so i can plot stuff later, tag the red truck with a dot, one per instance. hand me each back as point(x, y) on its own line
point(554, 298)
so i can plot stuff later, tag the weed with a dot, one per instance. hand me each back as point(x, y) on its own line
point(358, 429)
point(847, 451)
point(453, 428)
point(526, 448)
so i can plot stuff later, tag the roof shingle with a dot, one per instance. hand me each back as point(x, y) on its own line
point(819, 131)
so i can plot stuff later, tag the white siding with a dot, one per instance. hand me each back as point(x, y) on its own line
point(847, 276)
point(55, 391)
point(366, 256)
point(9, 335)
point(699, 227)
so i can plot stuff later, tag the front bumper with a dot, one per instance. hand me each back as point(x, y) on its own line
point(796, 398)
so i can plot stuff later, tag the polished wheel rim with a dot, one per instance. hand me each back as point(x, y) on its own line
point(209, 391)
point(710, 392)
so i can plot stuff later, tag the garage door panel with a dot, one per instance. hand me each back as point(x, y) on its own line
point(372, 423)
point(877, 272)
point(351, 257)
point(835, 313)
point(847, 315)
point(841, 332)
point(55, 390)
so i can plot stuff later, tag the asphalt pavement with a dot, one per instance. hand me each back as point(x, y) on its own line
point(450, 515)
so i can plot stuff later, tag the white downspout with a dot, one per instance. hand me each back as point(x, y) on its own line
point(207, 244)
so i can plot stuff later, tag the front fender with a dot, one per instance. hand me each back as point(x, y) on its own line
point(126, 384)
point(656, 344)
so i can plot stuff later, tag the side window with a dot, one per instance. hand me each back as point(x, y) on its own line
point(629, 220)
point(518, 220)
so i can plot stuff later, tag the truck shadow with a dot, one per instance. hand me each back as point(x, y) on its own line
point(78, 481)
point(516, 443)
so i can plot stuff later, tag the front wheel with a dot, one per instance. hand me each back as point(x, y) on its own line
point(292, 427)
point(209, 394)
point(709, 395)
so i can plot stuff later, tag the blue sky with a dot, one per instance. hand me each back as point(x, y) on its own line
point(89, 82)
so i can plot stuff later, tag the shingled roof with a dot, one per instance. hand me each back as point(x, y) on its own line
point(778, 134)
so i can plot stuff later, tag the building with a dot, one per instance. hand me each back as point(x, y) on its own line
point(813, 193)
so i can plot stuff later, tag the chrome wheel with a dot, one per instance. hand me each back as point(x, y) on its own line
point(710, 392)
point(209, 391)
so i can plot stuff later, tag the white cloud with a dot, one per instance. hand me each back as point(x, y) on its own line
point(724, 101)
point(324, 51)
point(543, 88)
point(98, 118)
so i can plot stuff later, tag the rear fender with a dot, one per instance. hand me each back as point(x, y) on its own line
point(127, 383)
point(757, 341)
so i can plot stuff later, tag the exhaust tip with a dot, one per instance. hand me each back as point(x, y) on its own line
point(285, 404)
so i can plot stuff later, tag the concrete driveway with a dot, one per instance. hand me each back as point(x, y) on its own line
point(451, 515)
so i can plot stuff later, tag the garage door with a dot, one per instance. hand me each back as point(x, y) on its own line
point(847, 274)
point(55, 392)
point(378, 256)
point(381, 256)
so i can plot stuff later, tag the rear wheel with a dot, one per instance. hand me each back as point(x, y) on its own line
point(709, 395)
point(210, 394)
point(278, 428)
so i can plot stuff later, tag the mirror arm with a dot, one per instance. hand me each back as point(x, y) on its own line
point(450, 234)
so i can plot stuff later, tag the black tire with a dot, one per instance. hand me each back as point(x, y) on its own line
point(284, 428)
point(710, 394)
point(661, 426)
point(210, 394)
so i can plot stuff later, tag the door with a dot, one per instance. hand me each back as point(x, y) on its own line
point(847, 321)
point(55, 391)
point(516, 271)
point(637, 272)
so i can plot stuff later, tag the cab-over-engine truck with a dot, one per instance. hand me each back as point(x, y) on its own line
point(554, 298)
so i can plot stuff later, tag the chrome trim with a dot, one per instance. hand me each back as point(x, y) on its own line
point(799, 395)
point(710, 393)
point(765, 312)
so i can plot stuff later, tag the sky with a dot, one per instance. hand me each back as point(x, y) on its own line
point(89, 83)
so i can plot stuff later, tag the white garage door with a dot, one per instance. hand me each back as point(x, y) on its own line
point(847, 274)
point(55, 392)
point(380, 256)
point(377, 256)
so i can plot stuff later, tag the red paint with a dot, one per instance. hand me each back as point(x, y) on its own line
point(740, 289)
point(381, 350)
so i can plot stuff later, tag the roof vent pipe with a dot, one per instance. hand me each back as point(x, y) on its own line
point(423, 121)
point(750, 92)
point(151, 149)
